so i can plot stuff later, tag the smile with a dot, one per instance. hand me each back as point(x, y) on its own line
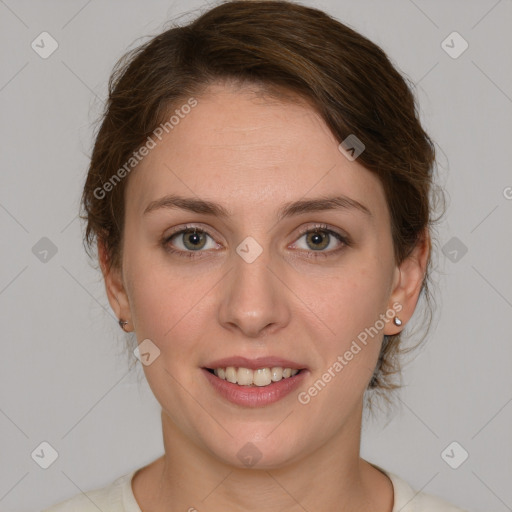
point(260, 377)
point(252, 394)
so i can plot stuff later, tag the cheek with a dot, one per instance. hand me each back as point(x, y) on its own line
point(353, 299)
point(156, 300)
point(350, 305)
point(161, 308)
point(168, 308)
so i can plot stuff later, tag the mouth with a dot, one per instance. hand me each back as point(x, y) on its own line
point(258, 387)
point(259, 377)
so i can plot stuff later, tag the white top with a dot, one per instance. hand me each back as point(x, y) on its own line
point(118, 497)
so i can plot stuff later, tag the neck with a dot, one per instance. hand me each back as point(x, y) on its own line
point(188, 477)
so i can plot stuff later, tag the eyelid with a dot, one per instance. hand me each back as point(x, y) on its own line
point(344, 240)
point(322, 227)
point(188, 227)
point(306, 229)
point(341, 237)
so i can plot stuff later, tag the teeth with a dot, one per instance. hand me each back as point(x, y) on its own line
point(262, 377)
point(259, 377)
point(244, 376)
point(230, 374)
point(276, 373)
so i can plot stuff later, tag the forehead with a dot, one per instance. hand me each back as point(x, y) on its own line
point(239, 148)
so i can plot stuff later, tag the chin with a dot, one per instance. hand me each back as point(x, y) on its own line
point(265, 454)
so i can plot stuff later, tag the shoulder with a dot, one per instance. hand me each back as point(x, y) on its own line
point(115, 497)
point(408, 499)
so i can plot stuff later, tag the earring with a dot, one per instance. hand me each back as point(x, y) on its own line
point(122, 323)
point(397, 321)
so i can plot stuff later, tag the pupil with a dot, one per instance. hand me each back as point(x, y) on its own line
point(317, 238)
point(193, 240)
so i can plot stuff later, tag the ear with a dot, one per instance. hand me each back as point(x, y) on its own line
point(114, 286)
point(407, 283)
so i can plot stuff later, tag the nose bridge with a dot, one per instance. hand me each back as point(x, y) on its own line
point(251, 272)
point(253, 298)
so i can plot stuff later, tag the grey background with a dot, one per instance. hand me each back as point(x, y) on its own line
point(64, 376)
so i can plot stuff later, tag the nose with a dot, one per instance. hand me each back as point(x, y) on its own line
point(254, 298)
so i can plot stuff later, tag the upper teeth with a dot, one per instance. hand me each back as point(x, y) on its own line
point(259, 377)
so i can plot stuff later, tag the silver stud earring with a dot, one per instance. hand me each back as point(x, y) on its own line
point(397, 321)
point(122, 323)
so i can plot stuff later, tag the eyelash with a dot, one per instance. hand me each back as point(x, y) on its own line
point(310, 229)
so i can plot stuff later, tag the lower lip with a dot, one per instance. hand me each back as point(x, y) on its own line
point(255, 396)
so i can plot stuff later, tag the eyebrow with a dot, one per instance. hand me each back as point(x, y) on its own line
point(291, 209)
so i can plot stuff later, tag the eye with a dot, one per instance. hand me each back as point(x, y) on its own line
point(191, 239)
point(321, 237)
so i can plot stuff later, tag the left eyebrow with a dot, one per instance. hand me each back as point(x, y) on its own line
point(321, 204)
point(291, 209)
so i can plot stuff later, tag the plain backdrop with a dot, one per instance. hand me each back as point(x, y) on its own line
point(64, 373)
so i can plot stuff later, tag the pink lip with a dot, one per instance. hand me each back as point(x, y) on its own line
point(254, 364)
point(254, 396)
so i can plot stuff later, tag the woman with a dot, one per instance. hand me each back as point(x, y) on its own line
point(259, 192)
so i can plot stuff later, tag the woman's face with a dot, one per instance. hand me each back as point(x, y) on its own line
point(252, 284)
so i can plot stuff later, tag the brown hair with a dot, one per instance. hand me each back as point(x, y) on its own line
point(279, 46)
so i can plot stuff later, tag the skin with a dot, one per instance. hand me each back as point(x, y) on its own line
point(252, 154)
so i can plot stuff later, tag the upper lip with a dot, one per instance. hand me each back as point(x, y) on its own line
point(254, 364)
